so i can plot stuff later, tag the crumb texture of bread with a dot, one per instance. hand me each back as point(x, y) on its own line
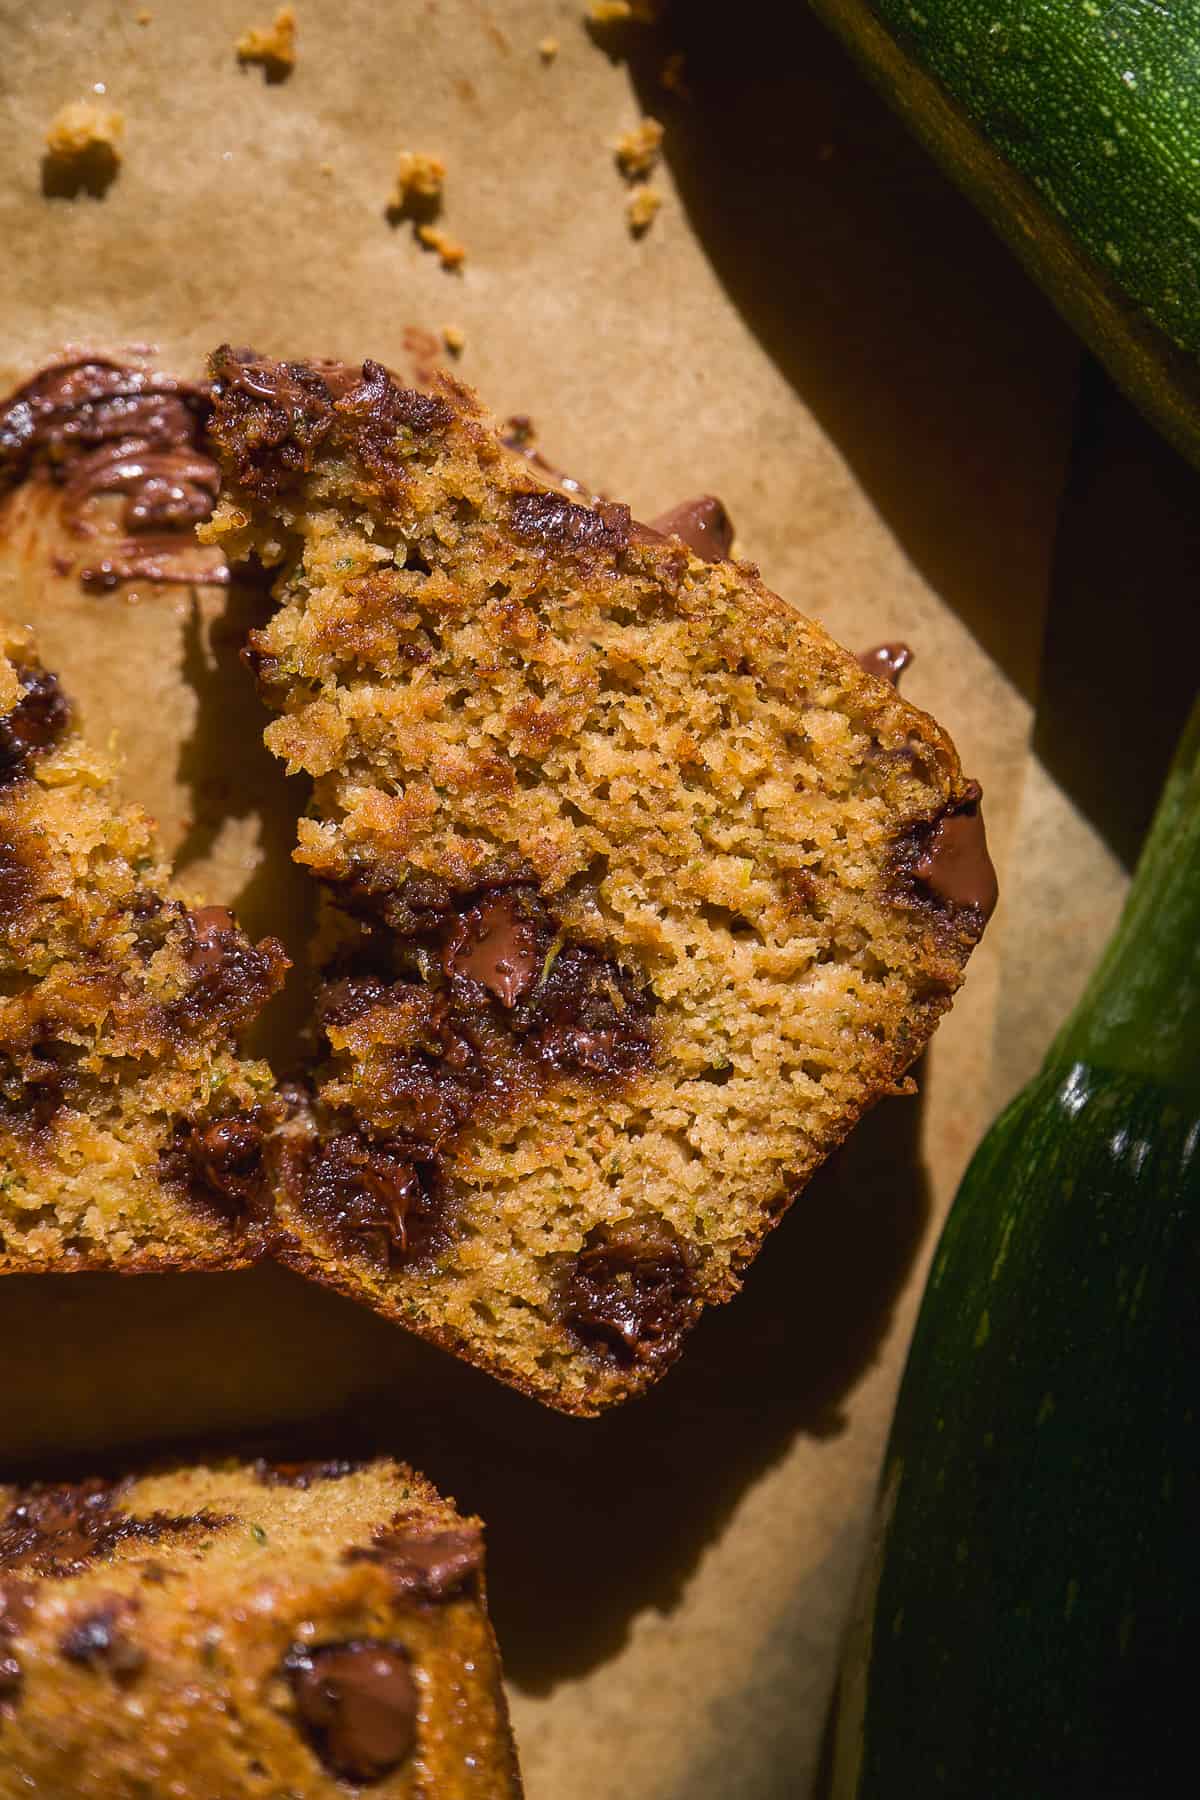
point(250, 1629)
point(634, 881)
point(131, 1131)
point(419, 177)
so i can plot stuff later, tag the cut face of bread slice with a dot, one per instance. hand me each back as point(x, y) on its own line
point(248, 1629)
point(647, 889)
point(131, 1132)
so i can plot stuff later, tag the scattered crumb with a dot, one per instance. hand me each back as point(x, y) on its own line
point(325, 168)
point(638, 150)
point(641, 208)
point(548, 49)
point(82, 150)
point(454, 338)
point(145, 17)
point(272, 46)
point(451, 253)
point(673, 76)
point(419, 177)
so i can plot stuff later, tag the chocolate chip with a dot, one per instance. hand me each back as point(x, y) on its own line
point(375, 1198)
point(10, 1680)
point(34, 725)
point(702, 524)
point(98, 1639)
point(376, 413)
point(496, 944)
point(224, 1158)
point(357, 1705)
point(630, 1293)
point(269, 418)
point(424, 1565)
point(946, 859)
point(232, 979)
point(303, 1475)
point(58, 1530)
point(588, 1017)
point(552, 519)
point(887, 661)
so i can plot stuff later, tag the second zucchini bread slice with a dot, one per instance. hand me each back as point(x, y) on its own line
point(642, 890)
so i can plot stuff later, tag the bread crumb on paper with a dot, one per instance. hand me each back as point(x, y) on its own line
point(145, 16)
point(83, 150)
point(419, 177)
point(548, 49)
point(450, 252)
point(454, 338)
point(641, 209)
point(638, 150)
point(272, 47)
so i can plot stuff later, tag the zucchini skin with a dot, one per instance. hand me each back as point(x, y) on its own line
point(1075, 126)
point(1028, 1626)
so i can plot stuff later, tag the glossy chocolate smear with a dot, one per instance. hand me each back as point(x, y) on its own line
point(357, 1705)
point(92, 428)
point(887, 661)
point(35, 723)
point(630, 1293)
point(431, 1565)
point(703, 524)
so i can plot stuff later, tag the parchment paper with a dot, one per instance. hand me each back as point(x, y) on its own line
point(815, 328)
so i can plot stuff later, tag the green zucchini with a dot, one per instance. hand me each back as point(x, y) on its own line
point(1026, 1621)
point(1076, 127)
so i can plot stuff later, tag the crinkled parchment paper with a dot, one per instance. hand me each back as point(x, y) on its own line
point(815, 328)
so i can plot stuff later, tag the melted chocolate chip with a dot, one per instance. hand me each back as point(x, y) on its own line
point(702, 524)
point(35, 723)
point(375, 1198)
point(92, 428)
point(496, 944)
point(946, 859)
point(221, 1160)
point(304, 1475)
point(553, 520)
point(17, 880)
point(232, 979)
point(10, 1680)
point(269, 418)
point(357, 1704)
point(59, 1530)
point(99, 1639)
point(630, 1293)
point(376, 414)
point(427, 1566)
point(887, 661)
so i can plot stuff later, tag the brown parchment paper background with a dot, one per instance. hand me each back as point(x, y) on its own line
point(816, 328)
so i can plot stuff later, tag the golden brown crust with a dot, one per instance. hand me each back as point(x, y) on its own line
point(542, 731)
point(241, 1628)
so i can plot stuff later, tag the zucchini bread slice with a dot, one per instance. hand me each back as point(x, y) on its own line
point(131, 1131)
point(250, 1629)
point(646, 890)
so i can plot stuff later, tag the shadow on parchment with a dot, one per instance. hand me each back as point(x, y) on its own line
point(1121, 663)
point(865, 275)
point(229, 773)
point(590, 1522)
